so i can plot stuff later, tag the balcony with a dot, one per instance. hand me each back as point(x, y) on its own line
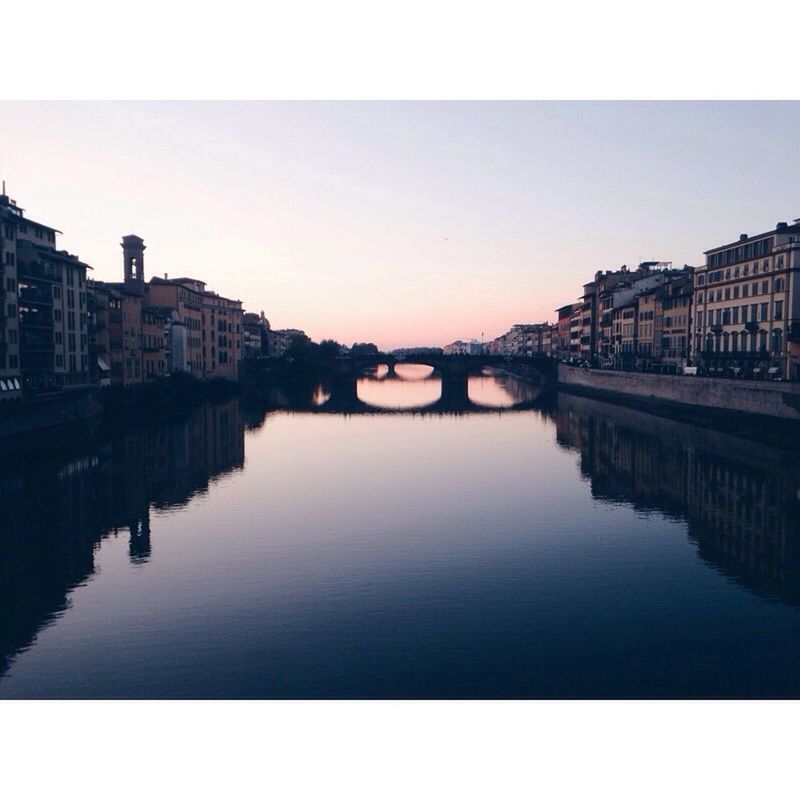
point(35, 294)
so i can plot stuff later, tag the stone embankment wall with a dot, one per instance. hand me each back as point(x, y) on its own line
point(765, 398)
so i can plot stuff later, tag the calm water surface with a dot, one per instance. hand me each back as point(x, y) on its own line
point(577, 550)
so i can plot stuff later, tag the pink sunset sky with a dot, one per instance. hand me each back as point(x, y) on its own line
point(400, 223)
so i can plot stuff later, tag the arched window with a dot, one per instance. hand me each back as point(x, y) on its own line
point(763, 340)
point(734, 342)
point(725, 342)
point(777, 341)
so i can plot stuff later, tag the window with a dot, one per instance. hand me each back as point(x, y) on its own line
point(764, 287)
point(764, 312)
point(745, 290)
point(779, 284)
point(778, 309)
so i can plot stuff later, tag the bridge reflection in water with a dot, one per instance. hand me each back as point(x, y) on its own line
point(737, 500)
point(399, 388)
point(420, 387)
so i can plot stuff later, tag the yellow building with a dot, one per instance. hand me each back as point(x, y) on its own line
point(746, 306)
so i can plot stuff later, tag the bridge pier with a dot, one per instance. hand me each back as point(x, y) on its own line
point(455, 388)
point(344, 394)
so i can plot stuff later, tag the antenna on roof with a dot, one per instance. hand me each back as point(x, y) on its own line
point(4, 186)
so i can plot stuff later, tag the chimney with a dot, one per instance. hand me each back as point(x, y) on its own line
point(742, 237)
point(781, 226)
point(166, 277)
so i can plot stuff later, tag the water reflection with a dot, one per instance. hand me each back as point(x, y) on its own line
point(740, 499)
point(417, 386)
point(53, 515)
point(495, 388)
point(321, 395)
point(578, 550)
point(407, 386)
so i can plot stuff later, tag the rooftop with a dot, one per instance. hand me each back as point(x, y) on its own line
point(780, 227)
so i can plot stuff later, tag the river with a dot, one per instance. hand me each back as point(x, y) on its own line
point(257, 548)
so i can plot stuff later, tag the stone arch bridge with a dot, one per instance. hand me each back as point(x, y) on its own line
point(454, 372)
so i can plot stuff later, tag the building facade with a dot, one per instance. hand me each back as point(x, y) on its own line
point(255, 339)
point(184, 297)
point(746, 306)
point(43, 309)
point(279, 341)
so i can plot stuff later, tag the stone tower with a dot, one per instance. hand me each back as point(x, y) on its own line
point(133, 259)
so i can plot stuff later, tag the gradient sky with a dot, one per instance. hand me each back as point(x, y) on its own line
point(401, 223)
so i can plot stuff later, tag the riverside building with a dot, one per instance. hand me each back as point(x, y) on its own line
point(212, 345)
point(746, 306)
point(43, 308)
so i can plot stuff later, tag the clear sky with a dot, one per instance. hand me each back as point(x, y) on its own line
point(401, 223)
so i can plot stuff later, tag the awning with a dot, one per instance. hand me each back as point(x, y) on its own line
point(103, 365)
point(773, 370)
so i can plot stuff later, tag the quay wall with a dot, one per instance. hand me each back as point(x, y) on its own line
point(764, 398)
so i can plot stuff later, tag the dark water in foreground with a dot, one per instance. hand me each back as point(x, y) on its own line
point(580, 550)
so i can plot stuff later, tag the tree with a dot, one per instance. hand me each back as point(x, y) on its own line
point(329, 349)
point(364, 349)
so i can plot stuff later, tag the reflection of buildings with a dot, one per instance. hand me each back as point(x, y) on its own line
point(740, 499)
point(53, 515)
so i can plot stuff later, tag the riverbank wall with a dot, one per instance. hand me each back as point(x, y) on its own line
point(737, 398)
